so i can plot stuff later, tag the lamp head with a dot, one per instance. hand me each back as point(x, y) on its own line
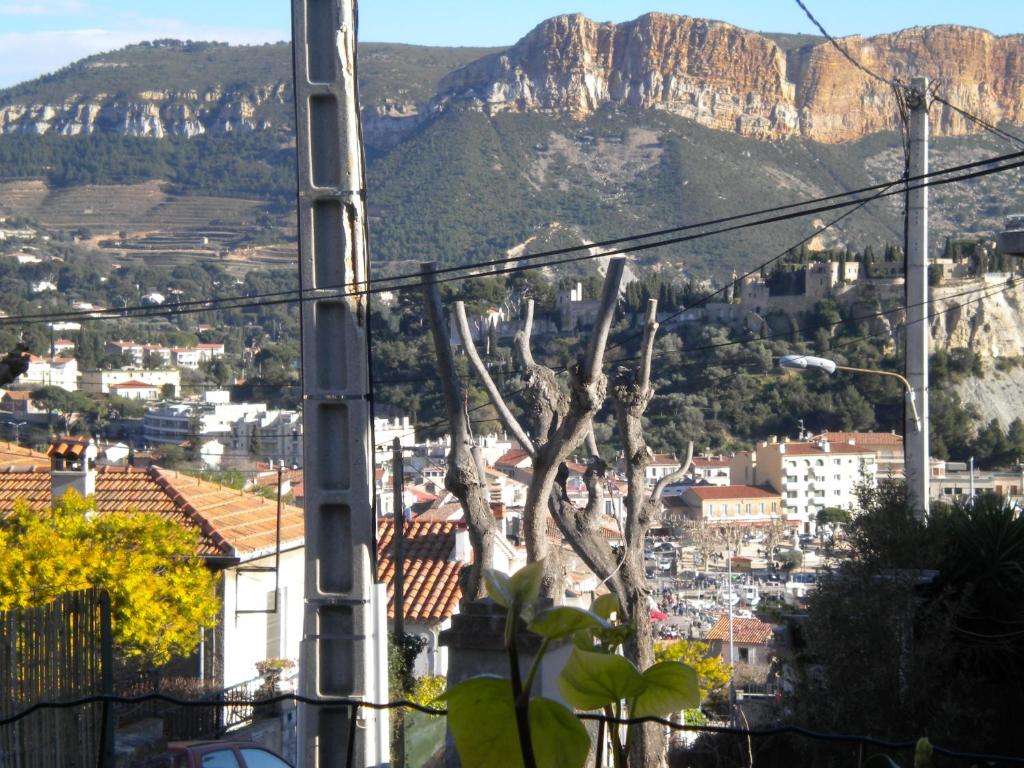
point(803, 362)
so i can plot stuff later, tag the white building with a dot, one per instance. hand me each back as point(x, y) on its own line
point(279, 436)
point(136, 390)
point(56, 372)
point(99, 382)
point(176, 422)
point(809, 476)
point(713, 470)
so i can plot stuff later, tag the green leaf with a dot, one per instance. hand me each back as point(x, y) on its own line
point(524, 585)
point(605, 605)
point(481, 717)
point(559, 738)
point(498, 587)
point(671, 686)
point(593, 680)
point(564, 621)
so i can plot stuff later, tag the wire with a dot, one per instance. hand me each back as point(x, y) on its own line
point(842, 49)
point(739, 281)
point(337, 292)
point(218, 700)
point(979, 121)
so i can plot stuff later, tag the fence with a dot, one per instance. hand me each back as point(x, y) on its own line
point(776, 747)
point(53, 653)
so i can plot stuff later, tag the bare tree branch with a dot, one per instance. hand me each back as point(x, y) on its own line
point(647, 347)
point(671, 477)
point(605, 315)
point(465, 478)
point(506, 416)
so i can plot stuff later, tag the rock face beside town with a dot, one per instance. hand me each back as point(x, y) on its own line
point(150, 113)
point(734, 80)
point(718, 75)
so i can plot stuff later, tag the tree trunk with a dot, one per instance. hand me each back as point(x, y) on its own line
point(465, 478)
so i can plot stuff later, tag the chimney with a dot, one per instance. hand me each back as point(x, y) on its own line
point(463, 551)
point(72, 465)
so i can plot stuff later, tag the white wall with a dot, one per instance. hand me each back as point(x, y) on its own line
point(249, 638)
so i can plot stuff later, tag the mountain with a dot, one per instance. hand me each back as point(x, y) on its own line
point(580, 132)
point(723, 77)
point(730, 79)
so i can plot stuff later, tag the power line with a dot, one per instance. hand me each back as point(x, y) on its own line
point(979, 121)
point(337, 292)
point(842, 49)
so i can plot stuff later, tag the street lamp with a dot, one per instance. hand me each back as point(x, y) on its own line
point(916, 464)
point(805, 362)
point(17, 430)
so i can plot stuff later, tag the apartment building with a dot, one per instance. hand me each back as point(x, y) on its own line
point(809, 476)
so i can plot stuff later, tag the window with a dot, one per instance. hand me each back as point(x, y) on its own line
point(837, 477)
point(760, 508)
point(261, 758)
point(773, 506)
point(221, 758)
point(738, 508)
point(790, 495)
point(748, 509)
point(744, 655)
point(819, 463)
point(837, 462)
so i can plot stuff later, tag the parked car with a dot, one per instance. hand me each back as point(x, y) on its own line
point(223, 754)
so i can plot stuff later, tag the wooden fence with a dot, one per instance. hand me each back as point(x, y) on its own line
point(52, 653)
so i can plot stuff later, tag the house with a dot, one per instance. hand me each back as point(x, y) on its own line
point(432, 589)
point(713, 470)
point(136, 390)
point(99, 382)
point(574, 311)
point(63, 347)
point(746, 505)
point(261, 585)
point(53, 372)
point(17, 404)
point(751, 640)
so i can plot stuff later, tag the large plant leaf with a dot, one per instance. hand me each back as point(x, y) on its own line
point(559, 738)
point(593, 680)
point(605, 605)
point(564, 621)
point(482, 719)
point(671, 686)
point(498, 587)
point(526, 582)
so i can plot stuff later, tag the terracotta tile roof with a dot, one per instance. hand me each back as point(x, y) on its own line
point(813, 449)
point(746, 631)
point(231, 522)
point(665, 458)
point(19, 457)
point(18, 394)
point(719, 492)
point(432, 590)
point(133, 384)
point(710, 461)
point(515, 457)
point(862, 438)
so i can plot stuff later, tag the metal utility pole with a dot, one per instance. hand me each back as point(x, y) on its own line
point(344, 651)
point(915, 438)
point(398, 553)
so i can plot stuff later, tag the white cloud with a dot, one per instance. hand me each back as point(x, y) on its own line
point(41, 7)
point(27, 55)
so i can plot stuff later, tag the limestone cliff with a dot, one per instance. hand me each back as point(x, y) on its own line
point(718, 75)
point(731, 79)
point(149, 113)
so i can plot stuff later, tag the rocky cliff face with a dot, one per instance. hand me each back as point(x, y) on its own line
point(988, 321)
point(713, 73)
point(150, 113)
point(730, 79)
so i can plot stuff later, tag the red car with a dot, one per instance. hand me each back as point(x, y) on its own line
point(223, 754)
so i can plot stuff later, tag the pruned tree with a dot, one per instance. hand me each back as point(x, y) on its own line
point(559, 423)
point(706, 539)
point(465, 478)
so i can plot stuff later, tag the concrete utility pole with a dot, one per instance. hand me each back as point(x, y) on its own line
point(915, 438)
point(344, 651)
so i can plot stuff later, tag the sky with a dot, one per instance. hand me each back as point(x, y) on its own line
point(39, 36)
